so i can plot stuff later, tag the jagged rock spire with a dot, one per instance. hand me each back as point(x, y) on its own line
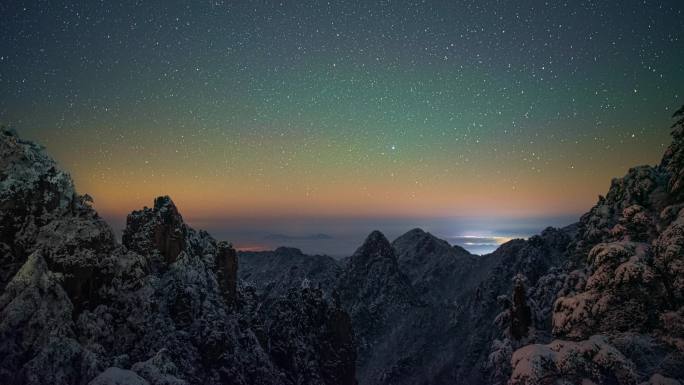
point(159, 229)
point(376, 245)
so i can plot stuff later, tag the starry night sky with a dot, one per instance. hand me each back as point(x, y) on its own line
point(271, 110)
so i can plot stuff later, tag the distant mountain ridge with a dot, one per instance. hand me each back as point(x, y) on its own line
point(418, 279)
point(310, 237)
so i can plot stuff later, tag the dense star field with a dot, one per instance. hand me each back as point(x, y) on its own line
point(269, 110)
point(373, 192)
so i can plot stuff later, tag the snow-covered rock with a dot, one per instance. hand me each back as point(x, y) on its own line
point(593, 361)
point(622, 300)
point(76, 307)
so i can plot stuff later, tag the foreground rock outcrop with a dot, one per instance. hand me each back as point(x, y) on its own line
point(616, 317)
point(163, 307)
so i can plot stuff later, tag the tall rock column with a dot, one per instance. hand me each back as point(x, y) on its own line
point(521, 316)
point(226, 264)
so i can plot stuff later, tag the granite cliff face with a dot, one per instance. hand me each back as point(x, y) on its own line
point(376, 294)
point(438, 271)
point(163, 307)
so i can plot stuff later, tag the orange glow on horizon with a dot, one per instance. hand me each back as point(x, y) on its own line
point(490, 199)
